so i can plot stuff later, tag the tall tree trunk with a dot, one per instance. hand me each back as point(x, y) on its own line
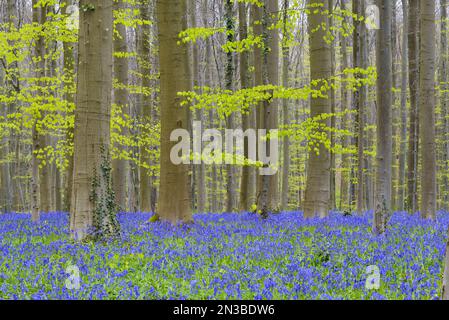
point(317, 194)
point(332, 203)
point(345, 186)
point(444, 102)
point(273, 79)
point(120, 166)
point(231, 185)
point(286, 115)
point(200, 168)
point(403, 146)
point(146, 107)
point(44, 168)
point(365, 161)
point(427, 109)
point(357, 60)
point(38, 14)
point(246, 187)
point(384, 111)
point(174, 202)
point(413, 71)
point(268, 116)
point(93, 203)
point(69, 97)
point(256, 19)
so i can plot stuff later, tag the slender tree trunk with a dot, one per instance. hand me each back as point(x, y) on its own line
point(444, 102)
point(246, 188)
point(200, 168)
point(5, 173)
point(413, 71)
point(332, 203)
point(286, 115)
point(174, 202)
point(384, 125)
point(231, 186)
point(273, 108)
point(346, 182)
point(256, 19)
point(317, 194)
point(93, 203)
point(120, 166)
point(36, 194)
point(145, 181)
point(367, 201)
point(69, 97)
point(427, 109)
point(357, 60)
point(403, 146)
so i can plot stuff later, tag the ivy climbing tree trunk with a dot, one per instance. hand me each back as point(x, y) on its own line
point(174, 201)
point(427, 109)
point(93, 204)
point(317, 194)
point(384, 123)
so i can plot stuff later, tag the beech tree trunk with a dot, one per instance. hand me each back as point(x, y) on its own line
point(384, 122)
point(346, 105)
point(413, 71)
point(427, 109)
point(120, 167)
point(231, 185)
point(403, 146)
point(174, 201)
point(317, 194)
point(286, 120)
point(146, 107)
point(444, 104)
point(68, 67)
point(246, 185)
point(93, 204)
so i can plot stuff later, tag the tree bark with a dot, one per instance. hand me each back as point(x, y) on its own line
point(120, 167)
point(413, 71)
point(92, 208)
point(145, 181)
point(403, 146)
point(285, 111)
point(174, 201)
point(384, 124)
point(427, 109)
point(246, 187)
point(345, 186)
point(317, 194)
point(231, 186)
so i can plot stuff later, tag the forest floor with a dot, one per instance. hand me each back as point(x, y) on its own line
point(226, 256)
